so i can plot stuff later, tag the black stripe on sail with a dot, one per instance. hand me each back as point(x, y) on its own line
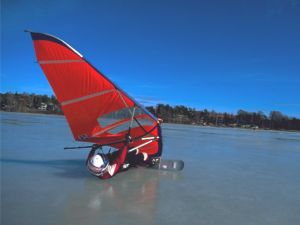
point(41, 36)
point(36, 36)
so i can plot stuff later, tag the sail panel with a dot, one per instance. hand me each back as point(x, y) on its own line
point(79, 85)
point(83, 115)
point(88, 98)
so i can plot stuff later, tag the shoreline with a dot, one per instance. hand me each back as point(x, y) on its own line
point(196, 125)
point(34, 113)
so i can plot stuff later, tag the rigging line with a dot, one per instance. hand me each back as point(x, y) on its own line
point(131, 112)
point(133, 139)
point(149, 138)
point(132, 117)
point(130, 125)
point(110, 127)
point(101, 149)
point(148, 132)
point(140, 125)
point(141, 145)
point(100, 146)
point(123, 100)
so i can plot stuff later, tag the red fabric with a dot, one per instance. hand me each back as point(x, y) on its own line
point(86, 96)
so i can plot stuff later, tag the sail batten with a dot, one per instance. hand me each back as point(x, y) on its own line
point(83, 98)
point(60, 61)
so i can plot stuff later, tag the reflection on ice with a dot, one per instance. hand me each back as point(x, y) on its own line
point(132, 196)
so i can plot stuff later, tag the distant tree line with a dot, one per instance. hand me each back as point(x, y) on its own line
point(33, 103)
point(185, 115)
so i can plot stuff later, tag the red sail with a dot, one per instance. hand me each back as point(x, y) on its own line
point(96, 109)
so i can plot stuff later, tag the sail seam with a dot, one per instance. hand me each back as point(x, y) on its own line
point(83, 98)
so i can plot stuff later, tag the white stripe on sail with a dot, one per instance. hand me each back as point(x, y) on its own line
point(75, 100)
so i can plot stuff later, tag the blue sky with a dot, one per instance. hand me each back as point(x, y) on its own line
point(219, 55)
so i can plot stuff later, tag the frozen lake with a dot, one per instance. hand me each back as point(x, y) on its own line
point(231, 177)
